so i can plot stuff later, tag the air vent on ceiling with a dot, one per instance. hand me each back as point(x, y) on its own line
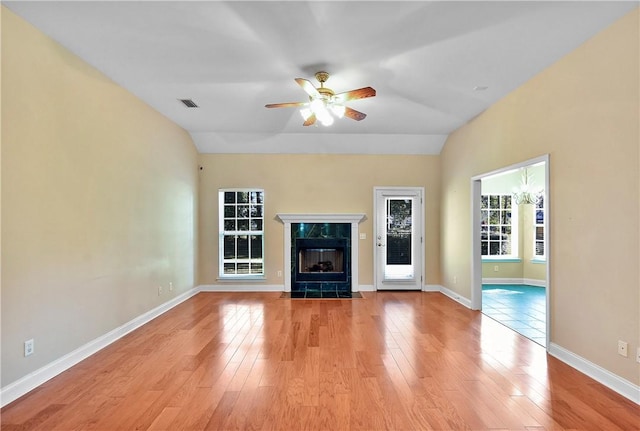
point(189, 103)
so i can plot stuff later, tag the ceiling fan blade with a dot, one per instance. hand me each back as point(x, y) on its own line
point(360, 93)
point(285, 105)
point(310, 121)
point(308, 87)
point(353, 114)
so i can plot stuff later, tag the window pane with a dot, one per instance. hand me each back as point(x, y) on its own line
point(506, 202)
point(256, 197)
point(243, 211)
point(256, 210)
point(539, 233)
point(494, 202)
point(506, 232)
point(398, 249)
point(495, 233)
point(243, 224)
point(229, 247)
point(484, 247)
point(243, 268)
point(506, 217)
point(256, 246)
point(243, 197)
point(256, 224)
point(494, 248)
point(539, 217)
point(229, 197)
point(539, 248)
point(484, 217)
point(505, 248)
point(229, 268)
point(494, 217)
point(540, 201)
point(484, 202)
point(230, 225)
point(399, 215)
point(243, 247)
point(229, 211)
point(484, 232)
point(256, 268)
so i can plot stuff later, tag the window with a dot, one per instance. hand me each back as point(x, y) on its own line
point(499, 231)
point(538, 229)
point(241, 223)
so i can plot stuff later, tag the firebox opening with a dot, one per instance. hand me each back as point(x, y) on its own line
point(321, 260)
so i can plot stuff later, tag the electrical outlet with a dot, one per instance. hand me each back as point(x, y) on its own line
point(279, 274)
point(170, 287)
point(28, 347)
point(363, 236)
point(496, 268)
point(159, 290)
point(638, 355)
point(622, 348)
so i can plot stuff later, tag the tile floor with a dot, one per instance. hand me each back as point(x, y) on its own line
point(518, 306)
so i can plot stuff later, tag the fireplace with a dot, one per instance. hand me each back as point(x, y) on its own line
point(319, 253)
point(321, 259)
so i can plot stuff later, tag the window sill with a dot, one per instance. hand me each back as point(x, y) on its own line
point(539, 260)
point(241, 279)
point(501, 259)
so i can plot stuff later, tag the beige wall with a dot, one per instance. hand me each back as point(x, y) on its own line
point(315, 184)
point(98, 202)
point(583, 111)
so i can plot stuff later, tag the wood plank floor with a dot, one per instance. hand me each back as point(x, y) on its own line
point(254, 361)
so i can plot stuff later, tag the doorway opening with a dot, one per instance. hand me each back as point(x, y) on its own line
point(510, 265)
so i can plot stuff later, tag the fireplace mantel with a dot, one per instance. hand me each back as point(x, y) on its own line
point(353, 219)
point(321, 218)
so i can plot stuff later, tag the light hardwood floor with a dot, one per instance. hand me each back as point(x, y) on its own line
point(253, 361)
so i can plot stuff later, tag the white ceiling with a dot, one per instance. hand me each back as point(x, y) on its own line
point(423, 58)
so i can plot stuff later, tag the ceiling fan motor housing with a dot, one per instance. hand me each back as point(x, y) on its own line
point(322, 77)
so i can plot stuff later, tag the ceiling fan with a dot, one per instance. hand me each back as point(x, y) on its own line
point(324, 104)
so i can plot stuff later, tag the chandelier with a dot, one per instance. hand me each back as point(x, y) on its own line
point(525, 194)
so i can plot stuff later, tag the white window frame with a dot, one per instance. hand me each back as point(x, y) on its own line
point(539, 206)
point(513, 225)
point(238, 231)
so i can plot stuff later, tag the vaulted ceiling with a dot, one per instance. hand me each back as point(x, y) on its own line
point(435, 65)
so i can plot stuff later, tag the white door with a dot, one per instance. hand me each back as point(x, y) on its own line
point(398, 242)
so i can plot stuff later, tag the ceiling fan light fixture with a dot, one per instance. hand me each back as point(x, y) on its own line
point(324, 105)
point(338, 110)
point(327, 121)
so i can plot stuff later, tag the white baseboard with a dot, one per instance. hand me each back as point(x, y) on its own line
point(517, 281)
point(366, 288)
point(599, 374)
point(227, 287)
point(455, 296)
point(432, 288)
point(20, 387)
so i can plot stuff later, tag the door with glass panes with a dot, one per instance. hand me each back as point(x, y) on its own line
point(398, 238)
